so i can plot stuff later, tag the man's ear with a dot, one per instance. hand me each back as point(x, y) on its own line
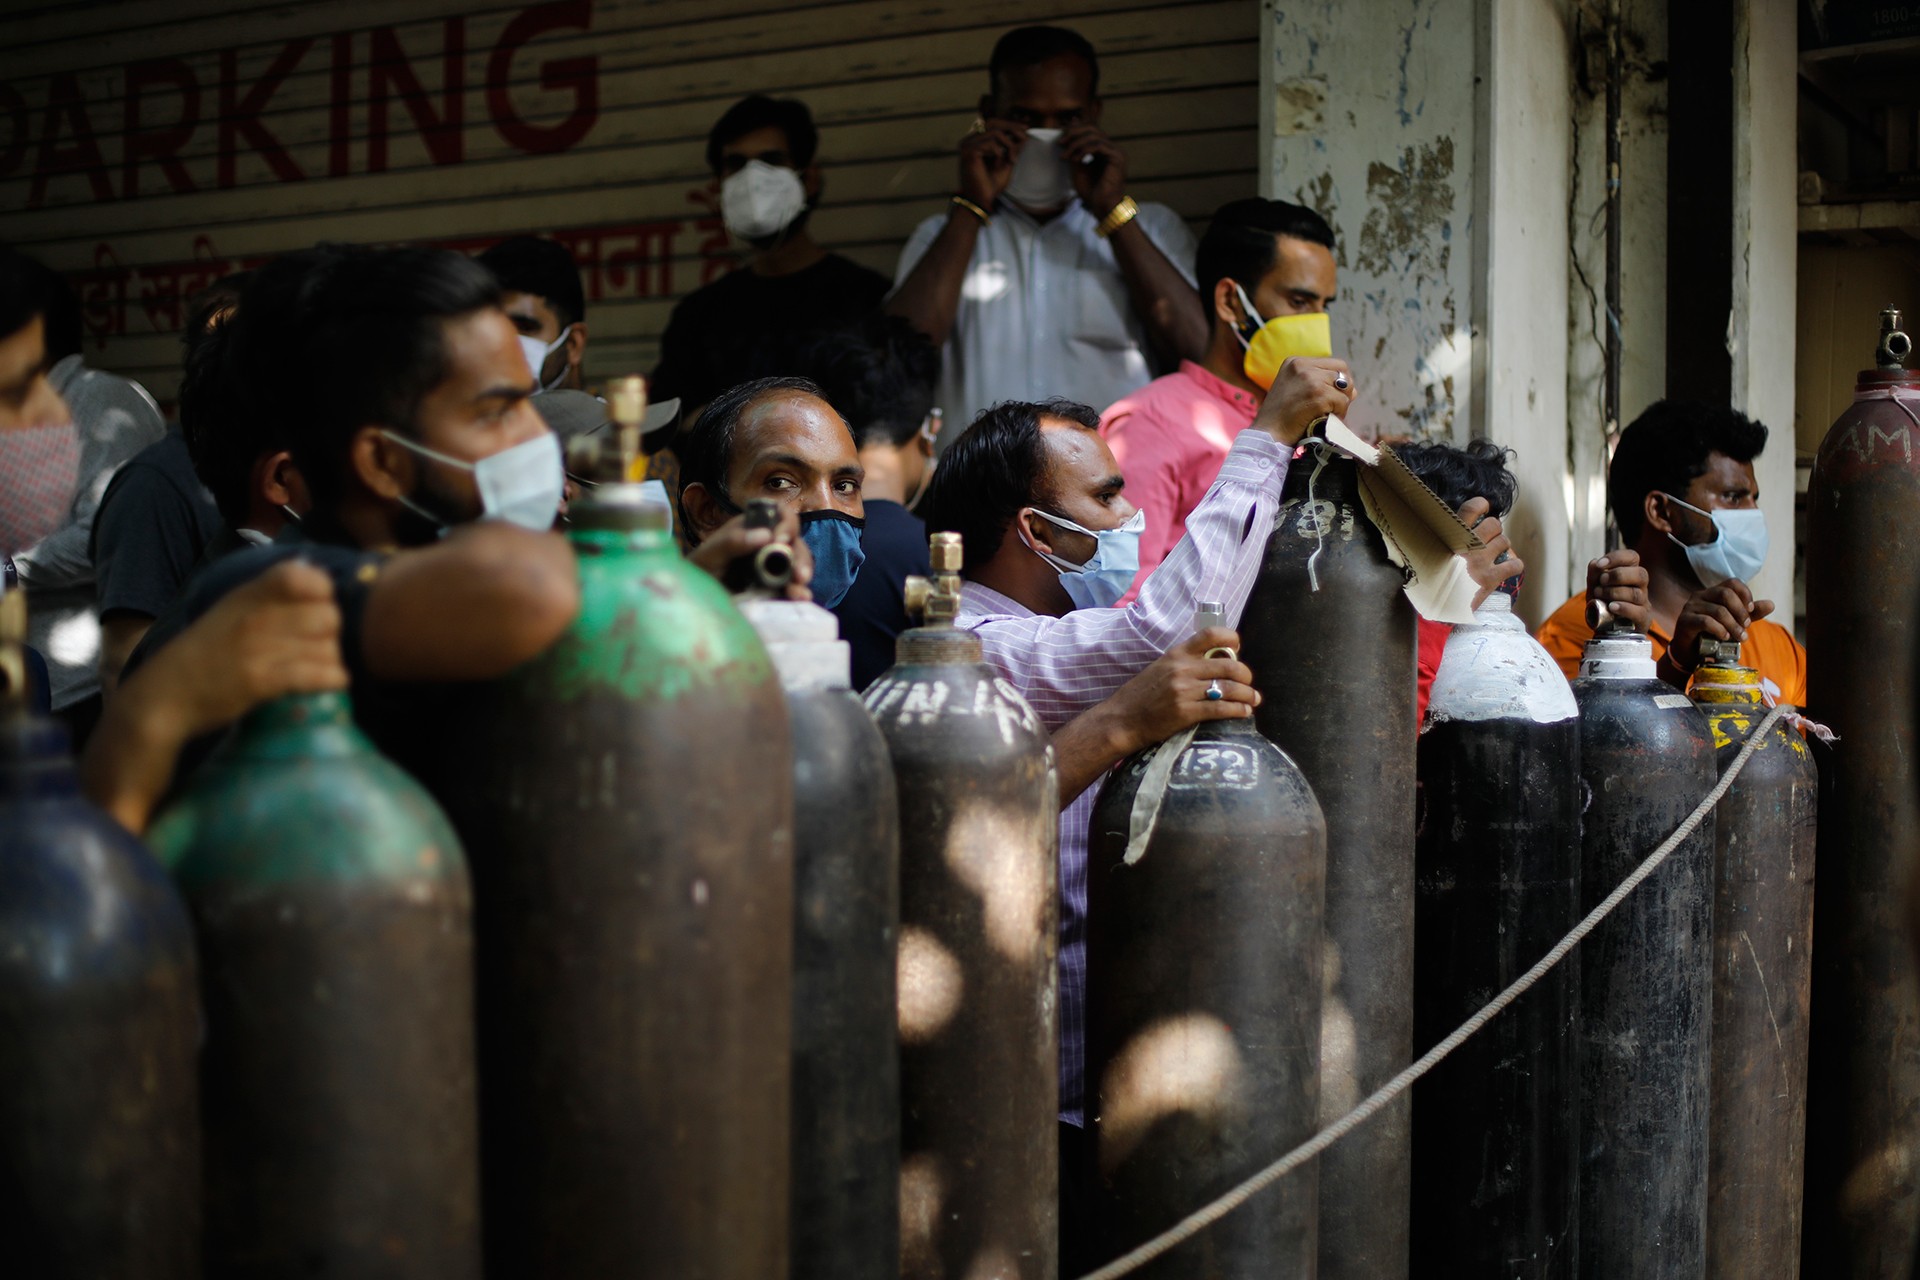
point(703, 512)
point(577, 344)
point(280, 480)
point(1226, 304)
point(382, 467)
point(1653, 509)
point(812, 183)
point(1094, 111)
point(986, 107)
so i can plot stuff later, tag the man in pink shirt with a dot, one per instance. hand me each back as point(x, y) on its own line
point(1260, 259)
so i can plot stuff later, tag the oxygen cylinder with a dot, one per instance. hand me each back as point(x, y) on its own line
point(1762, 940)
point(1647, 760)
point(1330, 636)
point(1863, 1119)
point(1498, 862)
point(99, 1022)
point(846, 892)
point(1207, 867)
point(629, 830)
point(331, 902)
point(979, 924)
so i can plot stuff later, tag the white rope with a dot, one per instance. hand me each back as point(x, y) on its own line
point(1195, 1223)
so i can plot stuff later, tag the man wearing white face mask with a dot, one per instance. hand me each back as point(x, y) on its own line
point(762, 151)
point(1042, 276)
point(540, 292)
point(1050, 541)
point(434, 482)
point(1683, 493)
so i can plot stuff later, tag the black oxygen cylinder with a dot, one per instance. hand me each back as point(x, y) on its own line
point(1762, 977)
point(99, 1033)
point(1863, 655)
point(1330, 636)
point(1647, 759)
point(845, 1219)
point(1206, 870)
point(1498, 860)
point(979, 933)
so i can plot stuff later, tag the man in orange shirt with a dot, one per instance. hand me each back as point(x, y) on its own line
point(1685, 498)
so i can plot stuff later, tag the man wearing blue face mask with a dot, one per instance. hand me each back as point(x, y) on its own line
point(1050, 542)
point(1683, 493)
point(779, 439)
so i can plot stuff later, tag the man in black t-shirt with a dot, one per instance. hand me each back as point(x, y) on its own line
point(762, 151)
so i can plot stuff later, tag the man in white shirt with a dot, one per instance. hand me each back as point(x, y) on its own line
point(1042, 277)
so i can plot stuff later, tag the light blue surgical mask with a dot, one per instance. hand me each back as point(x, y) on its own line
point(1738, 549)
point(522, 485)
point(1107, 574)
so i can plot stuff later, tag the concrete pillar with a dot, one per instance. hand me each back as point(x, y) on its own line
point(1760, 330)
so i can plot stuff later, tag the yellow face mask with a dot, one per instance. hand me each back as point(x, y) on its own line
point(1280, 339)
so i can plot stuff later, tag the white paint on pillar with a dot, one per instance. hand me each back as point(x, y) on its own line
point(1520, 299)
point(1368, 117)
point(1760, 330)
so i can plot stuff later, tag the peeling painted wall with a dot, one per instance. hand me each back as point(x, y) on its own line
point(1369, 118)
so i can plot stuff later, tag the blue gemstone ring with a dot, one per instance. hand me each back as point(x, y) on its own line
point(1213, 692)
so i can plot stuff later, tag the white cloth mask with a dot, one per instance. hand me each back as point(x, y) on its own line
point(761, 200)
point(537, 353)
point(1738, 549)
point(1041, 180)
point(522, 485)
point(1107, 574)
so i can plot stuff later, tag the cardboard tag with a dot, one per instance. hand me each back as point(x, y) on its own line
point(1422, 534)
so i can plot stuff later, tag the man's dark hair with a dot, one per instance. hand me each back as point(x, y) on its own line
point(336, 338)
point(1456, 473)
point(1666, 448)
point(224, 437)
point(543, 268)
point(22, 290)
point(706, 451)
point(1240, 241)
point(878, 375)
point(1025, 47)
point(997, 466)
point(59, 311)
point(205, 308)
point(758, 111)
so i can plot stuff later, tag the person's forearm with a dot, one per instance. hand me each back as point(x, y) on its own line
point(120, 634)
point(129, 761)
point(1176, 318)
point(930, 295)
point(1085, 748)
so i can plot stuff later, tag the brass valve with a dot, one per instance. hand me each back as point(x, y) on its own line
point(936, 600)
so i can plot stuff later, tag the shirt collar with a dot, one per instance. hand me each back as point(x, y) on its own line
point(1220, 388)
point(977, 601)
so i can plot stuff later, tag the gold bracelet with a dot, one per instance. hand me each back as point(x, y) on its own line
point(1119, 216)
point(973, 209)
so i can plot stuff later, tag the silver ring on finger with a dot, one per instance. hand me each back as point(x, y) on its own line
point(1214, 693)
point(1340, 382)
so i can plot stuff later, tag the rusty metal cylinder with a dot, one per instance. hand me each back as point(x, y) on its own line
point(331, 903)
point(1762, 978)
point(1495, 1123)
point(1863, 600)
point(1646, 972)
point(99, 1032)
point(979, 911)
point(629, 829)
point(846, 897)
point(1203, 998)
point(1329, 635)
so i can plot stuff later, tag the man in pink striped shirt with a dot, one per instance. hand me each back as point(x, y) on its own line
point(1171, 436)
point(1039, 502)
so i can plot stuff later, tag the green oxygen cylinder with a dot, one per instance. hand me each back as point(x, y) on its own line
point(331, 901)
point(629, 821)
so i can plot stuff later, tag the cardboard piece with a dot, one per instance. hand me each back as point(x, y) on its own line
point(1422, 534)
